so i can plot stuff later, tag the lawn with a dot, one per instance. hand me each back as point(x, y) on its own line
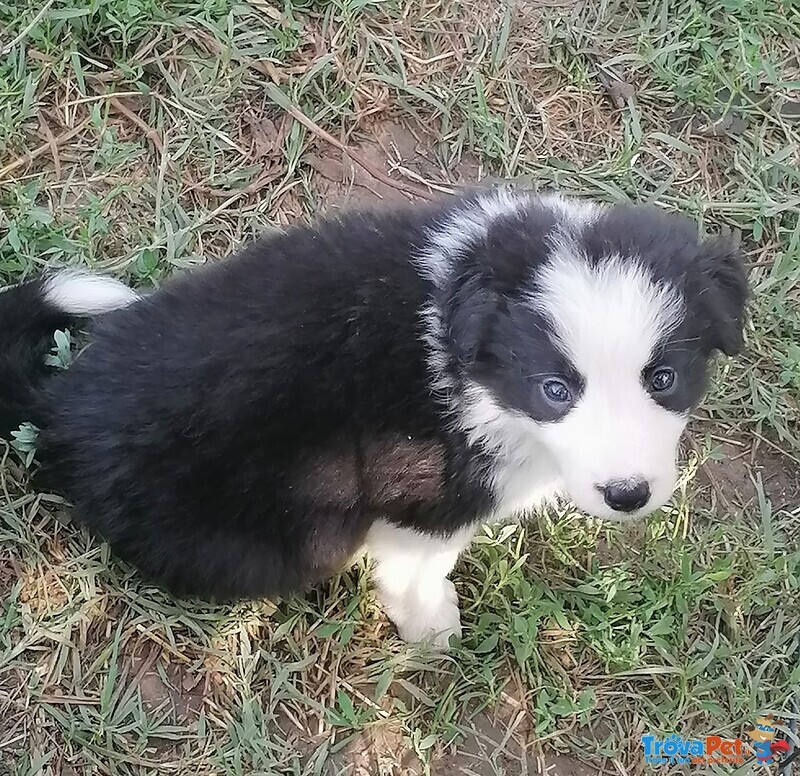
point(141, 139)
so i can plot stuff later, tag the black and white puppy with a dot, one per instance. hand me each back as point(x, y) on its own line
point(387, 380)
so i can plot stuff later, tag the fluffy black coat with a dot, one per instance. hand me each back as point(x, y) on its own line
point(223, 434)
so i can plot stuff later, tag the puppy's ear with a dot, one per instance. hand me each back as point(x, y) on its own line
point(724, 294)
point(473, 305)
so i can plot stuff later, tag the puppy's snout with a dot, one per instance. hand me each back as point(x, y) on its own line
point(625, 495)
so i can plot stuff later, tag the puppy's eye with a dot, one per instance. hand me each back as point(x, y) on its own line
point(662, 379)
point(556, 391)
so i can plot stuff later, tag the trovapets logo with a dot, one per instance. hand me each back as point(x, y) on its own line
point(763, 744)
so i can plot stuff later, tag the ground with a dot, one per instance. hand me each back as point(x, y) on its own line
point(142, 138)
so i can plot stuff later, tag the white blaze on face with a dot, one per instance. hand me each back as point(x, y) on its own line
point(608, 320)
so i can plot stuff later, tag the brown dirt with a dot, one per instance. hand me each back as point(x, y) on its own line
point(735, 473)
point(491, 747)
point(561, 765)
point(404, 153)
point(381, 750)
point(501, 746)
point(168, 686)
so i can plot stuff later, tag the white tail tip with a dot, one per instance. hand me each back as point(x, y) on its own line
point(80, 293)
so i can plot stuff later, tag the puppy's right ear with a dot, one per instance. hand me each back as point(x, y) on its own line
point(724, 294)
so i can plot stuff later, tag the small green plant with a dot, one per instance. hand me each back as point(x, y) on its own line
point(24, 439)
point(61, 353)
point(24, 442)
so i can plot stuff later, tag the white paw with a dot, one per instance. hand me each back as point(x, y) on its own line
point(429, 616)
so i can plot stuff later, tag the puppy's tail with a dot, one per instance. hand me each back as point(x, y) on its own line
point(29, 315)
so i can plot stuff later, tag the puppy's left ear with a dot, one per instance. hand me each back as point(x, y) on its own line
point(724, 295)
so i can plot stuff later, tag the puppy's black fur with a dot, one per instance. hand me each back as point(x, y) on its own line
point(27, 323)
point(236, 433)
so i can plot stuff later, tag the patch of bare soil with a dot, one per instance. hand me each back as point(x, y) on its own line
point(168, 686)
point(500, 741)
point(504, 746)
point(491, 747)
point(381, 750)
point(401, 153)
point(562, 765)
point(734, 474)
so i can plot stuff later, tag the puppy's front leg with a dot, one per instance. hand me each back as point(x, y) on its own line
point(410, 573)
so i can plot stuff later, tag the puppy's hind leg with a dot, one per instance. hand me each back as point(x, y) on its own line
point(410, 572)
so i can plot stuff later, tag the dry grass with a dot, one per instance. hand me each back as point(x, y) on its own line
point(143, 139)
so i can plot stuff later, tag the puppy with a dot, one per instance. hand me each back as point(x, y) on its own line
point(389, 380)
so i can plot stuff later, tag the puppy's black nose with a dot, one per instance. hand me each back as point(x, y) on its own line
point(626, 495)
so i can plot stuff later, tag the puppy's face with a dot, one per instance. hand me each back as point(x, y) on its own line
point(622, 373)
point(600, 346)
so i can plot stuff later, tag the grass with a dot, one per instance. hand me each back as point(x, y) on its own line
point(142, 138)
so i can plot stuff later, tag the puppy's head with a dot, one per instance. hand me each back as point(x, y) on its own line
point(590, 329)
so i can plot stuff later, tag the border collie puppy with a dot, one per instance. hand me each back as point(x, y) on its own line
point(382, 380)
